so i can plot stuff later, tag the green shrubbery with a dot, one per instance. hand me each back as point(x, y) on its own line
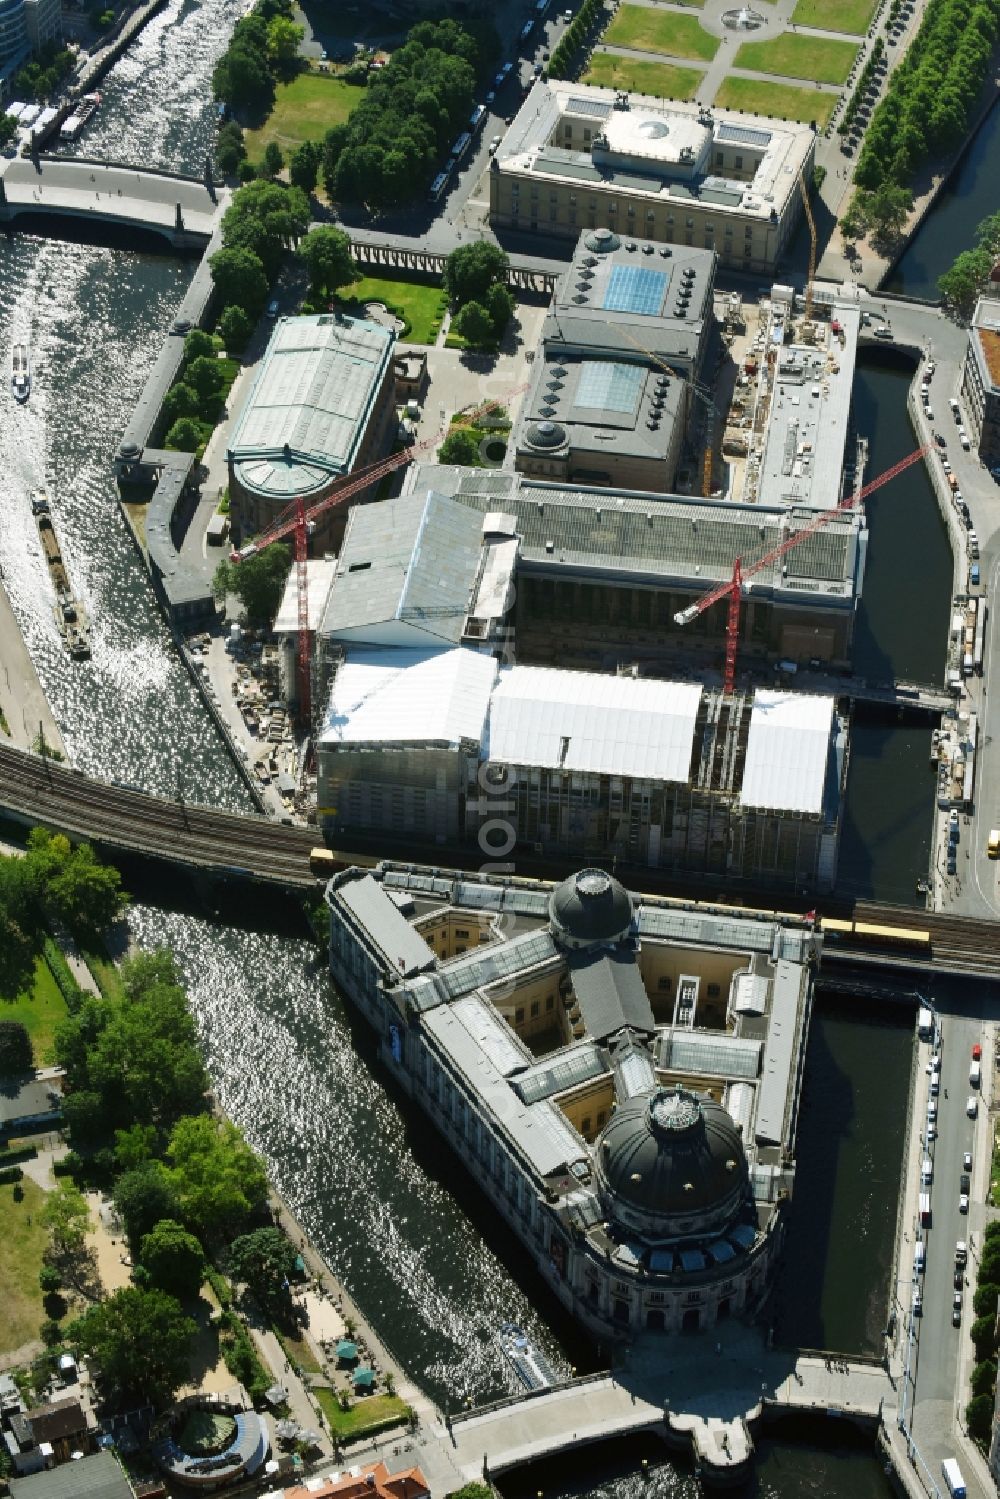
point(573, 40)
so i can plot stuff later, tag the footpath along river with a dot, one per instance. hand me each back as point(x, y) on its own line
point(428, 1265)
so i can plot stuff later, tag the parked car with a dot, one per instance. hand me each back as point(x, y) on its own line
point(963, 1202)
point(956, 1309)
point(972, 1106)
point(882, 333)
point(958, 1280)
point(967, 1161)
point(977, 1052)
point(965, 1182)
point(939, 439)
point(963, 438)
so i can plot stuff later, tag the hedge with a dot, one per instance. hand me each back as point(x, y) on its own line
point(67, 984)
point(10, 1174)
point(22, 1153)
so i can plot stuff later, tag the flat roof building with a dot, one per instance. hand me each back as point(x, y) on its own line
point(664, 774)
point(321, 406)
point(601, 573)
point(981, 379)
point(619, 1072)
point(581, 158)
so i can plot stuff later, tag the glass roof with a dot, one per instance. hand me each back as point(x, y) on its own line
point(635, 288)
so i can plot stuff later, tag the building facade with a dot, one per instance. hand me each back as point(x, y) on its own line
point(321, 407)
point(620, 1074)
point(579, 158)
point(981, 380)
point(15, 46)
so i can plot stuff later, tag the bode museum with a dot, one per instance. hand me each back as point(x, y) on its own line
point(619, 1072)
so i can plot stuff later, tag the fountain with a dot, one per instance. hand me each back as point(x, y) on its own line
point(744, 19)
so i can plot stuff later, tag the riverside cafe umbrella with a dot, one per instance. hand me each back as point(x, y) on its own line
point(363, 1378)
point(276, 1395)
point(347, 1352)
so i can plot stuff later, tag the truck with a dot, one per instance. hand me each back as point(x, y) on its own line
point(953, 1478)
point(925, 1019)
point(993, 844)
point(925, 1210)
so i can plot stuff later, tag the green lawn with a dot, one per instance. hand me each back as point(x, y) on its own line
point(304, 110)
point(39, 1009)
point(818, 59)
point(422, 306)
point(659, 79)
point(101, 966)
point(777, 99)
point(21, 1245)
point(852, 16)
point(298, 1351)
point(367, 1412)
point(648, 30)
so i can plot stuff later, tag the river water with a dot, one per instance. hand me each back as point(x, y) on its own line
point(428, 1264)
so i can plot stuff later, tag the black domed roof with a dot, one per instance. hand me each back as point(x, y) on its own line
point(670, 1154)
point(591, 906)
point(546, 434)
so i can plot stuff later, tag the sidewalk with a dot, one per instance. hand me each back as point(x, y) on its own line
point(22, 699)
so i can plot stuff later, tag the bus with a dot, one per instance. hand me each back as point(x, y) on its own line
point(476, 118)
point(438, 186)
point(541, 6)
point(460, 148)
point(526, 30)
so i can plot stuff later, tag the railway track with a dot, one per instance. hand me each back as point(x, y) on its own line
point(967, 941)
point(123, 817)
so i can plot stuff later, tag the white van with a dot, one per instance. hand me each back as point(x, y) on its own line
point(920, 1258)
point(926, 1172)
point(953, 1478)
point(975, 1075)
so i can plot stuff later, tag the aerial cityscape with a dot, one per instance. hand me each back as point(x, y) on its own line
point(499, 781)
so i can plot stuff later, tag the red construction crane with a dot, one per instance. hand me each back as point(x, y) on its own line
point(297, 521)
point(733, 587)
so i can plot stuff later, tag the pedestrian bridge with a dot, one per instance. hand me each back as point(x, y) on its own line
point(183, 210)
point(701, 1397)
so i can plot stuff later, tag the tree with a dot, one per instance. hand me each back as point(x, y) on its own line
point(49, 1280)
point(230, 149)
point(134, 1146)
point(235, 328)
point(8, 129)
point(984, 1302)
point(15, 1048)
point(143, 1197)
point(500, 306)
point(198, 345)
point(242, 78)
point(263, 1261)
point(473, 323)
point(992, 1230)
point(206, 376)
point(180, 401)
point(141, 1342)
point(258, 582)
point(218, 1179)
point(283, 41)
point(17, 956)
point(185, 436)
point(173, 1258)
point(984, 1377)
point(50, 1332)
point(983, 1334)
point(83, 892)
point(66, 1217)
point(327, 254)
point(85, 1116)
point(303, 168)
point(471, 270)
point(274, 159)
point(979, 1417)
point(460, 446)
point(240, 280)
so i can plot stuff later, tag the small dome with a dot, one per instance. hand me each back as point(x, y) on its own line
point(602, 241)
point(545, 434)
point(590, 908)
point(669, 1159)
point(654, 130)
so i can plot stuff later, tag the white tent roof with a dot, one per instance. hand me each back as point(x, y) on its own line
point(400, 696)
point(787, 751)
point(319, 576)
point(576, 720)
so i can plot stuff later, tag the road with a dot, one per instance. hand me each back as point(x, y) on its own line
point(942, 1353)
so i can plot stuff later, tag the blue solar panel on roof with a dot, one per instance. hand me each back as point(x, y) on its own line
point(635, 288)
point(610, 387)
point(744, 135)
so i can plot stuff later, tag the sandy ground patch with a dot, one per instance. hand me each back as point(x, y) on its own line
point(113, 1265)
point(325, 1324)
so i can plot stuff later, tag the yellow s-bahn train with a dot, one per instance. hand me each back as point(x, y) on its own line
point(868, 935)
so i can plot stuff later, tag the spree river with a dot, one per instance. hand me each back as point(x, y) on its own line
point(428, 1264)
